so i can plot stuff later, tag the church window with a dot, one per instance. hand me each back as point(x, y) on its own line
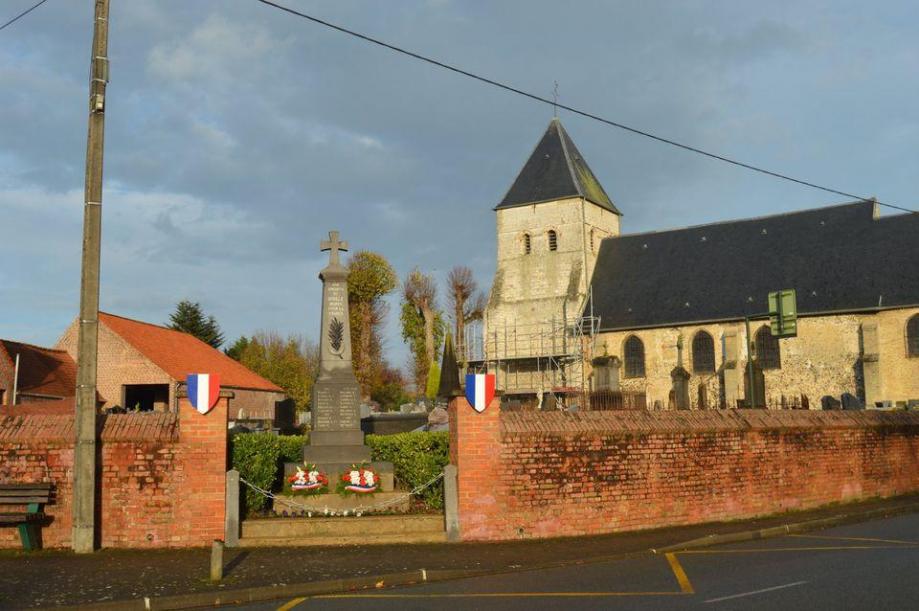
point(912, 336)
point(553, 240)
point(634, 351)
point(703, 353)
point(526, 244)
point(767, 349)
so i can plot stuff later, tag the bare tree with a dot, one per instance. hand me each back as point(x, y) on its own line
point(420, 290)
point(467, 302)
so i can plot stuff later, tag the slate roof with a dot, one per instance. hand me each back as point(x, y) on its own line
point(42, 371)
point(838, 258)
point(179, 354)
point(555, 170)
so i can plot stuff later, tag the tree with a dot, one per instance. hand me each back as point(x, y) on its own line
point(370, 278)
point(236, 350)
point(390, 392)
point(190, 318)
point(292, 363)
point(422, 323)
point(466, 301)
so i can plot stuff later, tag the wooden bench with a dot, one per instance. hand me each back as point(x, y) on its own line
point(34, 497)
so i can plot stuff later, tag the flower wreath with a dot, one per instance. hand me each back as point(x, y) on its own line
point(361, 479)
point(308, 480)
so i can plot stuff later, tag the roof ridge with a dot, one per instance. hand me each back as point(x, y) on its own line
point(745, 220)
point(27, 344)
point(143, 322)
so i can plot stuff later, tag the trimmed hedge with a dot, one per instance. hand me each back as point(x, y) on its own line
point(255, 456)
point(417, 458)
point(291, 448)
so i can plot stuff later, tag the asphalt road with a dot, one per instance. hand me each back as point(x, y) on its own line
point(873, 565)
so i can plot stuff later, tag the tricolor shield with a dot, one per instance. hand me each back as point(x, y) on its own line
point(203, 390)
point(480, 390)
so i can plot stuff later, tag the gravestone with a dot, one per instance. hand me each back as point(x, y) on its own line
point(679, 379)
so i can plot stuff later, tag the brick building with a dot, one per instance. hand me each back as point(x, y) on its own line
point(43, 375)
point(571, 292)
point(141, 366)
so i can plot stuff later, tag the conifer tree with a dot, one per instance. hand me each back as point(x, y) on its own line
point(190, 318)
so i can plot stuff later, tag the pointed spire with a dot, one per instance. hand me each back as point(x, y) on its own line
point(449, 372)
point(556, 170)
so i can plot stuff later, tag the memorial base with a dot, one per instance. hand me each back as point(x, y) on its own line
point(380, 502)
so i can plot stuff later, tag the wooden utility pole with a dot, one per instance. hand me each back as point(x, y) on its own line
point(84, 468)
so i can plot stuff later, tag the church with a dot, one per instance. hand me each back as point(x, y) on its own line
point(578, 307)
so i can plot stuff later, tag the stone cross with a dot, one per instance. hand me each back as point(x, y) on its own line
point(333, 244)
point(679, 350)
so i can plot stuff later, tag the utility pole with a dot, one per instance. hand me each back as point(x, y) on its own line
point(84, 468)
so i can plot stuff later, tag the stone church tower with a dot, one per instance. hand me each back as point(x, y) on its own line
point(549, 228)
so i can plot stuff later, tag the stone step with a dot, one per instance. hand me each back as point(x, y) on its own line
point(302, 528)
point(328, 540)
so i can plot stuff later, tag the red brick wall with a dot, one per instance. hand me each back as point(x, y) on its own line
point(162, 476)
point(525, 474)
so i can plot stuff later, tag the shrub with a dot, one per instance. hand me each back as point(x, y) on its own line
point(255, 456)
point(291, 447)
point(416, 459)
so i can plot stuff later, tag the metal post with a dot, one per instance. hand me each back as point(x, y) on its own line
point(752, 398)
point(84, 478)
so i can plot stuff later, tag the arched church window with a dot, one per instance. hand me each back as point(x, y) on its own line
point(767, 349)
point(553, 240)
point(912, 336)
point(526, 244)
point(703, 353)
point(634, 353)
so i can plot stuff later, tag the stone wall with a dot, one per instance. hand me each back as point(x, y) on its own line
point(529, 289)
point(826, 358)
point(561, 474)
point(162, 476)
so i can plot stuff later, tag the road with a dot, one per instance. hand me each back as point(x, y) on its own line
point(873, 565)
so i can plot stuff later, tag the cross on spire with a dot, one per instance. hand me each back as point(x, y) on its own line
point(333, 244)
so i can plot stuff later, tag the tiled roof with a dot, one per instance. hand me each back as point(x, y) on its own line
point(838, 258)
point(555, 170)
point(179, 354)
point(42, 371)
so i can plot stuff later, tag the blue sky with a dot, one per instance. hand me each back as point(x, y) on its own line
point(237, 136)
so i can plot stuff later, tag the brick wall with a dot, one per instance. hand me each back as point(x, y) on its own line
point(524, 474)
point(161, 476)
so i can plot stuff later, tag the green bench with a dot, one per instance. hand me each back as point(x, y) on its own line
point(34, 497)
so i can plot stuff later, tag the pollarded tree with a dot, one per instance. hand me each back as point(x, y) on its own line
point(422, 323)
point(370, 279)
point(190, 318)
point(467, 302)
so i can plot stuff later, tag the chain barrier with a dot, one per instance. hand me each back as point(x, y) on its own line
point(326, 512)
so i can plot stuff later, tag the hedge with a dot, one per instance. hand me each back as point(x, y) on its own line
point(416, 457)
point(255, 456)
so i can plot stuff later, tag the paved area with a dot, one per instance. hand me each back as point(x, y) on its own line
point(54, 578)
point(866, 566)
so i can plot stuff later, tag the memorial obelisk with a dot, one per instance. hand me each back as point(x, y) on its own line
point(336, 439)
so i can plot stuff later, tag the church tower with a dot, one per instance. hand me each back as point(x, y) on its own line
point(549, 227)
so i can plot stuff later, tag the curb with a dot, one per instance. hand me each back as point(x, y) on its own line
point(420, 576)
point(787, 529)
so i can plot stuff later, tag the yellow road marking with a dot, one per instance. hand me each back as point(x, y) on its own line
point(856, 539)
point(290, 605)
point(790, 549)
point(504, 595)
point(679, 573)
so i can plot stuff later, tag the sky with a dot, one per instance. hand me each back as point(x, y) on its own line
point(237, 136)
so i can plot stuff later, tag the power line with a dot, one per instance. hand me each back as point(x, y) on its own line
point(576, 111)
point(21, 15)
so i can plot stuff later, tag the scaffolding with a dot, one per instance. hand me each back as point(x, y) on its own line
point(549, 356)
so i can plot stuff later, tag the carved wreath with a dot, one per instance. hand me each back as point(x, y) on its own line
point(336, 335)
